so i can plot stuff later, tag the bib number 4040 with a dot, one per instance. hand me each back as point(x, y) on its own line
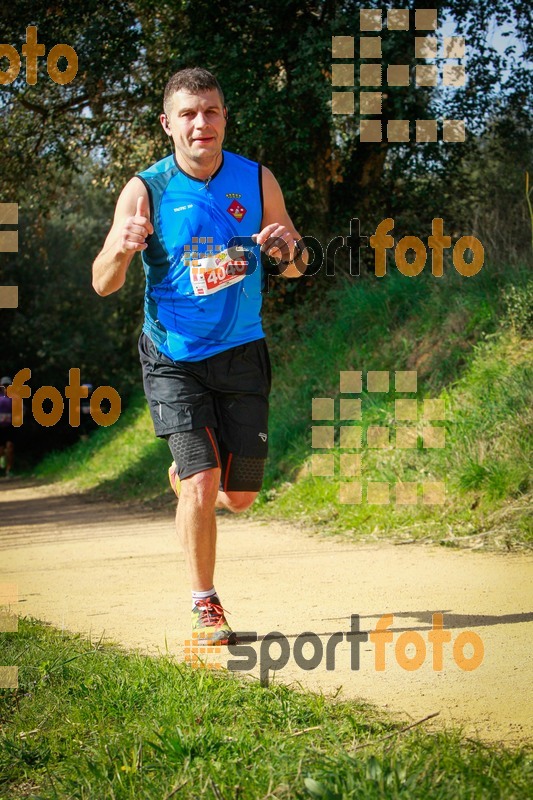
point(219, 274)
point(211, 274)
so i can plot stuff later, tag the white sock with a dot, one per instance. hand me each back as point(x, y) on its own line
point(202, 595)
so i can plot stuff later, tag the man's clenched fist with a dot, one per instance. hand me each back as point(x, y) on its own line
point(137, 228)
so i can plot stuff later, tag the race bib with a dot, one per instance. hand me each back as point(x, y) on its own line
point(211, 274)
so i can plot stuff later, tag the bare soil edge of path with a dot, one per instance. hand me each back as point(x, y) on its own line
point(105, 570)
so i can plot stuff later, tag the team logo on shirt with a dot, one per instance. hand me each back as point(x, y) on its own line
point(231, 195)
point(237, 211)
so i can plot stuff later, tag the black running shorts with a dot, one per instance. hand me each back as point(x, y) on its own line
point(223, 399)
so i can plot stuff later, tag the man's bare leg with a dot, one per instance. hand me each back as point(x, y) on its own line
point(197, 530)
point(194, 512)
point(10, 453)
point(231, 501)
point(196, 526)
point(235, 501)
point(6, 452)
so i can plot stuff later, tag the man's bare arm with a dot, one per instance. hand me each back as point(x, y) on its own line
point(276, 223)
point(131, 226)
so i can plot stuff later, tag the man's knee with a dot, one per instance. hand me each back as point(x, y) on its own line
point(202, 486)
point(237, 501)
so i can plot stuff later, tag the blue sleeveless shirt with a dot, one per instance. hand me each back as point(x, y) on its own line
point(190, 318)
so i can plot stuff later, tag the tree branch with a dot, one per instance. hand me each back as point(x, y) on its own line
point(59, 109)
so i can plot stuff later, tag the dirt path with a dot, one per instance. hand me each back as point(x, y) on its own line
point(102, 569)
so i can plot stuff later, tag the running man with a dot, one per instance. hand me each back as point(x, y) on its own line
point(206, 369)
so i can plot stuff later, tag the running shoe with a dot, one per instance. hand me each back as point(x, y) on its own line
point(209, 625)
point(173, 479)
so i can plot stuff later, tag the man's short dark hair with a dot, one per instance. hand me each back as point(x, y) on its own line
point(193, 80)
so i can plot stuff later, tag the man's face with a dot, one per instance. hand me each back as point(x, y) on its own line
point(196, 123)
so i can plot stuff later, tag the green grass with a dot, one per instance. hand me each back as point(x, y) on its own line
point(469, 340)
point(486, 463)
point(92, 721)
point(395, 323)
point(124, 461)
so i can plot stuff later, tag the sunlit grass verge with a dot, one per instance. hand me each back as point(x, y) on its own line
point(92, 721)
point(123, 462)
point(485, 463)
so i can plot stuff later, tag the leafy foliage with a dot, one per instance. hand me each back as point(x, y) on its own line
point(67, 150)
